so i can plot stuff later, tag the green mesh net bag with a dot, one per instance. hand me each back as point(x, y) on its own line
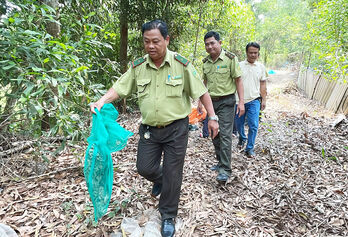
point(106, 136)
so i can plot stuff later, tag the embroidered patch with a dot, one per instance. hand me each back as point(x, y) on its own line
point(138, 62)
point(181, 59)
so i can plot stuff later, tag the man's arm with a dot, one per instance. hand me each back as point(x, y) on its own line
point(240, 90)
point(263, 92)
point(213, 125)
point(199, 106)
point(110, 96)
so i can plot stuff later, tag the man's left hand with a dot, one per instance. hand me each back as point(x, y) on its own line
point(213, 128)
point(263, 104)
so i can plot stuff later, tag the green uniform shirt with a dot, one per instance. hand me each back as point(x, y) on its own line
point(163, 93)
point(220, 75)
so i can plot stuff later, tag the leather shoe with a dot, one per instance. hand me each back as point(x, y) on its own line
point(214, 168)
point(240, 144)
point(168, 228)
point(250, 154)
point(222, 177)
point(156, 189)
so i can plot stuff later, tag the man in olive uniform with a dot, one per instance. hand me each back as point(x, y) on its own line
point(164, 82)
point(221, 74)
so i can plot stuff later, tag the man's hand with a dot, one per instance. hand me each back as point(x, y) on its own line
point(213, 128)
point(263, 104)
point(99, 104)
point(110, 96)
point(240, 109)
point(200, 107)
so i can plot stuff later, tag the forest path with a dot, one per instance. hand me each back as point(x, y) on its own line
point(295, 186)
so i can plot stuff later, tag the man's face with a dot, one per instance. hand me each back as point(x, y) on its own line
point(212, 46)
point(252, 54)
point(155, 45)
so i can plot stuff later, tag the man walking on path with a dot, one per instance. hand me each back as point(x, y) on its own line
point(221, 74)
point(255, 91)
point(164, 82)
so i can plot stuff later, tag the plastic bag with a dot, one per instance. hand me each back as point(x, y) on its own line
point(106, 136)
point(195, 117)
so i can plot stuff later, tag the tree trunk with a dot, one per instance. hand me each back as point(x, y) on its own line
point(197, 32)
point(124, 43)
point(53, 28)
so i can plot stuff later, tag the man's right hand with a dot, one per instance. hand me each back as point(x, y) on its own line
point(99, 104)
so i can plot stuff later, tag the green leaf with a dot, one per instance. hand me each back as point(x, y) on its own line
point(82, 68)
point(334, 158)
point(37, 69)
point(9, 67)
point(28, 90)
point(46, 60)
point(11, 20)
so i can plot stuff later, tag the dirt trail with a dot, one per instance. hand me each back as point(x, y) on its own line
point(283, 97)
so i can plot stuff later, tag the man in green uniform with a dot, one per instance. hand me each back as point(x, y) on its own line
point(164, 82)
point(221, 74)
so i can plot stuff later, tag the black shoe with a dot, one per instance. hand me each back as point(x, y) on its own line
point(240, 144)
point(250, 154)
point(214, 168)
point(222, 177)
point(156, 189)
point(168, 228)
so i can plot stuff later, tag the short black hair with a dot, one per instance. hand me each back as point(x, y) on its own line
point(252, 44)
point(156, 24)
point(212, 34)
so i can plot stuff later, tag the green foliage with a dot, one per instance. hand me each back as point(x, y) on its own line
point(280, 27)
point(47, 76)
point(235, 23)
point(327, 37)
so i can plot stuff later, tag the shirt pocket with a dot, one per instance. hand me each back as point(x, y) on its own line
point(222, 73)
point(143, 87)
point(174, 87)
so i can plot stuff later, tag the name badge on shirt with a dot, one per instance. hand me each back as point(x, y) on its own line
point(222, 66)
point(174, 78)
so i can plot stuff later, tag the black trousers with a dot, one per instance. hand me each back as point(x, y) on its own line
point(171, 141)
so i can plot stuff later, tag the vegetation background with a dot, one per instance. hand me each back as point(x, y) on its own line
point(56, 56)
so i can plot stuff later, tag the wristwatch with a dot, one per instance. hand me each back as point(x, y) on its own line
point(214, 118)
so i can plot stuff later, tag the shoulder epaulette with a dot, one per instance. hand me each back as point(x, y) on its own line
point(137, 62)
point(181, 60)
point(229, 55)
point(205, 59)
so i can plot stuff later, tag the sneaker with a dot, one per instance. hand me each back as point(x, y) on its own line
point(250, 154)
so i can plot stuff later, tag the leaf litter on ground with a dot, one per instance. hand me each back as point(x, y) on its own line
point(295, 186)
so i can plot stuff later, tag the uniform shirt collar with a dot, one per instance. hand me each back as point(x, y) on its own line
point(165, 60)
point(220, 56)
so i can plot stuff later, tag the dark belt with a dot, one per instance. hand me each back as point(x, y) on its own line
point(175, 121)
point(217, 98)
